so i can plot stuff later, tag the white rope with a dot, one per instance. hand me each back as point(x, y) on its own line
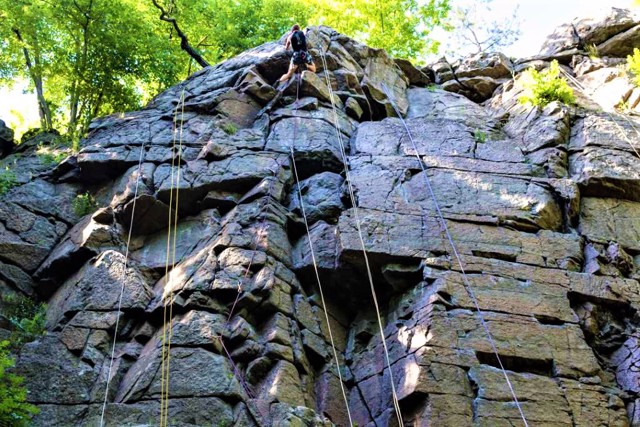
point(584, 90)
point(315, 269)
point(126, 264)
point(467, 283)
point(396, 403)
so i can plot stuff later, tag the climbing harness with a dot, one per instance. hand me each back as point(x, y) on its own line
point(313, 258)
point(126, 264)
point(343, 153)
point(465, 279)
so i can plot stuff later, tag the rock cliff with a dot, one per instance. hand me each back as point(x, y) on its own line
point(543, 207)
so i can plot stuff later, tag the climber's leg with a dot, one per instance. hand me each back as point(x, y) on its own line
point(292, 69)
point(311, 66)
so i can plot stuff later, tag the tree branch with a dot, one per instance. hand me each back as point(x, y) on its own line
point(184, 42)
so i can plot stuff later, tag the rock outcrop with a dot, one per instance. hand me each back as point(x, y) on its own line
point(216, 298)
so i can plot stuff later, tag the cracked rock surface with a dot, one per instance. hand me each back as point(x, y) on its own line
point(543, 206)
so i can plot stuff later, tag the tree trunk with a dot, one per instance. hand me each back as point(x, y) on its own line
point(184, 42)
point(43, 106)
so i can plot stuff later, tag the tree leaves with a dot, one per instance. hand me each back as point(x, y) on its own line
point(96, 57)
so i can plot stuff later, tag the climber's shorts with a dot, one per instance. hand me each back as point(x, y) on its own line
point(301, 57)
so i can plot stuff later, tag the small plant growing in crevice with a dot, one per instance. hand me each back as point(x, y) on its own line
point(8, 180)
point(55, 150)
point(592, 51)
point(84, 204)
point(26, 316)
point(544, 87)
point(623, 107)
point(50, 156)
point(633, 65)
point(14, 409)
point(480, 136)
point(229, 128)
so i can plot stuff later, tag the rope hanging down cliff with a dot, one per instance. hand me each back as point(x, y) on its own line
point(465, 279)
point(313, 257)
point(396, 403)
point(165, 343)
point(584, 90)
point(170, 251)
point(126, 264)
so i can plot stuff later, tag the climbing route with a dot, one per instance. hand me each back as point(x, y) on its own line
point(313, 258)
point(467, 283)
point(396, 403)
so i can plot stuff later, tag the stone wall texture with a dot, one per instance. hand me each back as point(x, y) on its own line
point(543, 207)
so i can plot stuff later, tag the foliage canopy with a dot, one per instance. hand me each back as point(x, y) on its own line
point(87, 58)
point(480, 26)
point(84, 57)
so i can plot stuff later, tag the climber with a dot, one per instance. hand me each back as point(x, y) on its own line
point(297, 40)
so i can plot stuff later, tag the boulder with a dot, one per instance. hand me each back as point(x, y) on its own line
point(255, 85)
point(321, 196)
point(418, 237)
point(97, 286)
point(443, 70)
point(487, 64)
point(602, 159)
point(521, 204)
point(231, 316)
point(84, 241)
point(604, 220)
point(607, 88)
point(478, 88)
point(57, 376)
point(621, 44)
point(143, 379)
point(416, 76)
point(385, 87)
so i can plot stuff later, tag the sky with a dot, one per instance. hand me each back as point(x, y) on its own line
point(538, 19)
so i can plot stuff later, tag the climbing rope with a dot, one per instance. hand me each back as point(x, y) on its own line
point(315, 264)
point(396, 403)
point(465, 279)
point(126, 264)
point(170, 254)
point(581, 87)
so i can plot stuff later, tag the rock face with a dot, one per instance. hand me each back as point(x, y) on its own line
point(613, 35)
point(220, 312)
point(6, 140)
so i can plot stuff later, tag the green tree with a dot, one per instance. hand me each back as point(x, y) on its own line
point(401, 27)
point(24, 32)
point(219, 29)
point(84, 57)
point(477, 26)
point(88, 58)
